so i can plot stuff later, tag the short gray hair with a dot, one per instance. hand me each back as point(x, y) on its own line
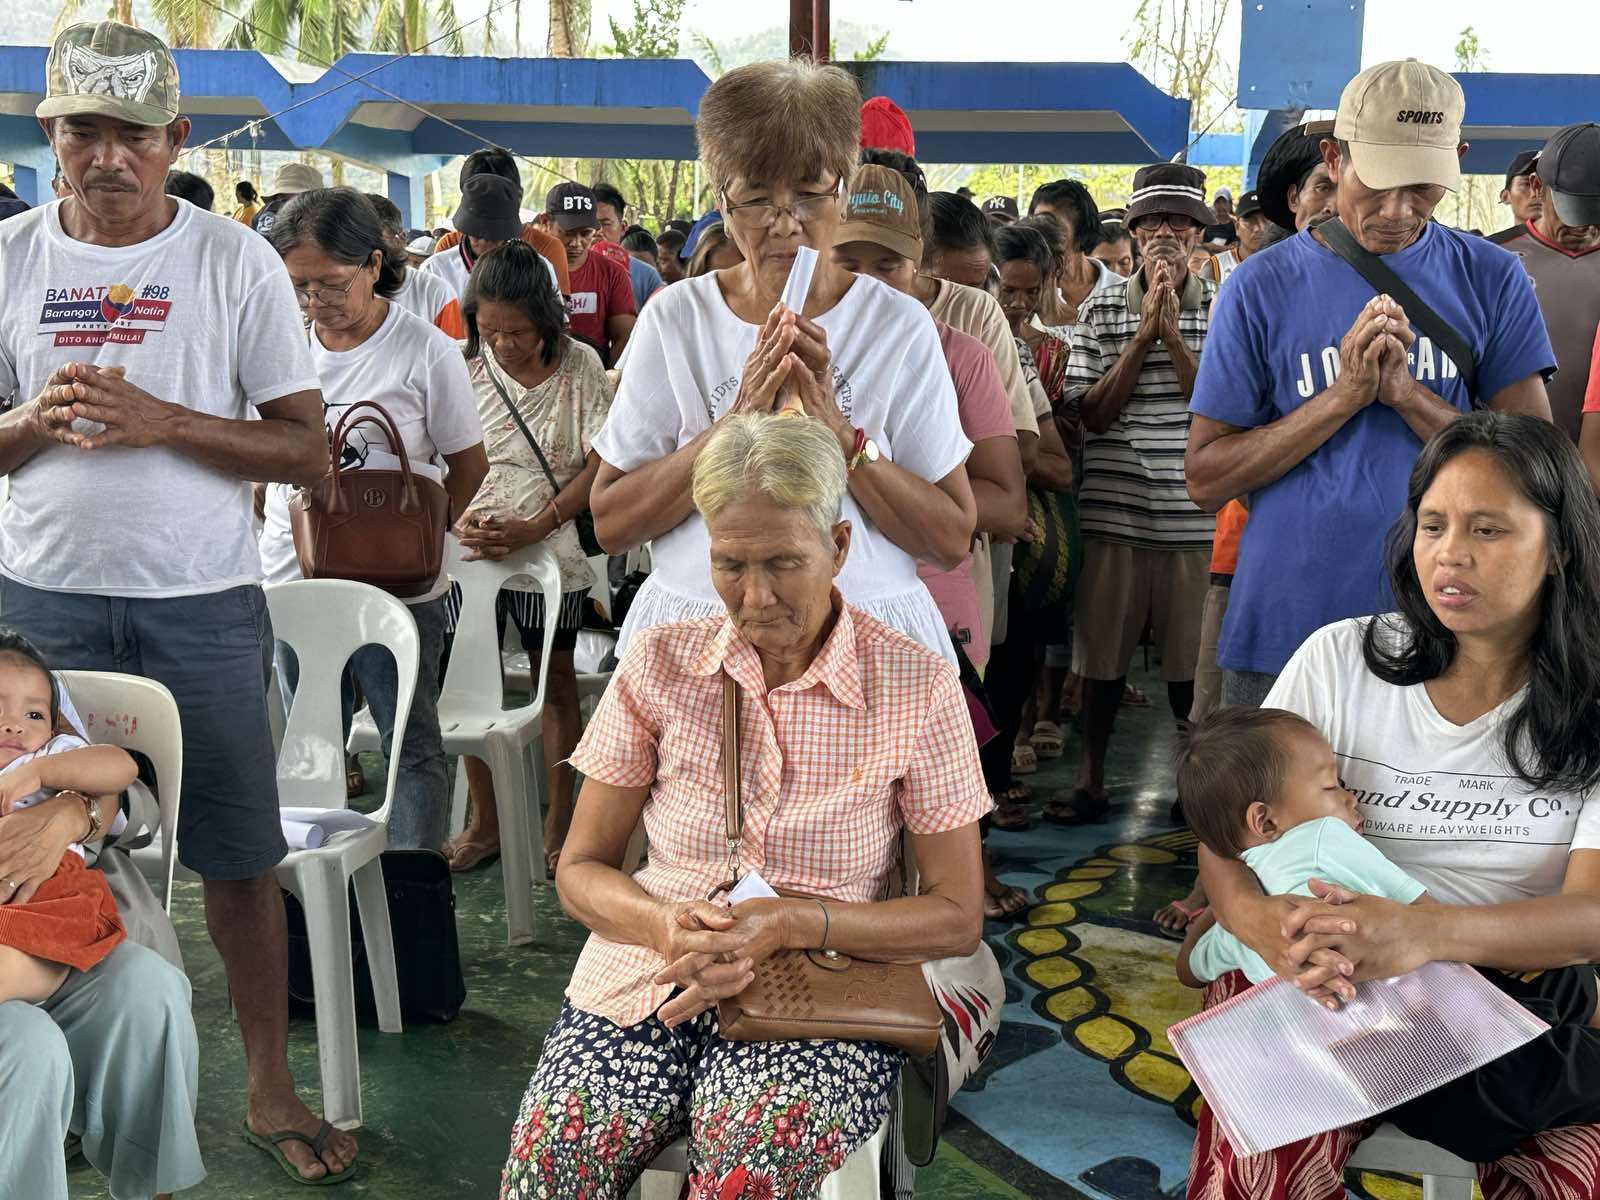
point(777, 121)
point(793, 461)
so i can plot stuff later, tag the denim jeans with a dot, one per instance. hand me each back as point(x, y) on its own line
point(420, 815)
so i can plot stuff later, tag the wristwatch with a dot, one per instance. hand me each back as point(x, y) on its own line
point(866, 451)
point(97, 825)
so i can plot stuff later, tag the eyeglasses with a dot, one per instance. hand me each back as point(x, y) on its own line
point(808, 209)
point(1176, 222)
point(327, 297)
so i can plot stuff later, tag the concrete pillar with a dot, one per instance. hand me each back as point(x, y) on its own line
point(406, 191)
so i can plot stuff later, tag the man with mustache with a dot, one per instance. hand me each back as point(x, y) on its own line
point(1147, 546)
point(1316, 393)
point(157, 366)
point(1561, 249)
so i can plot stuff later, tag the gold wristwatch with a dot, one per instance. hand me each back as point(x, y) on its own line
point(97, 825)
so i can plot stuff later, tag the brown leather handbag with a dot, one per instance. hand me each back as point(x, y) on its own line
point(378, 526)
point(801, 994)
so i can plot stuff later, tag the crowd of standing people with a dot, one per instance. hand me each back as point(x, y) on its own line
point(904, 537)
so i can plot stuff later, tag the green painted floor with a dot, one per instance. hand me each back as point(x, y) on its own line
point(439, 1100)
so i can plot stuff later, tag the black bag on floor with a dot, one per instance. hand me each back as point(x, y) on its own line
point(427, 956)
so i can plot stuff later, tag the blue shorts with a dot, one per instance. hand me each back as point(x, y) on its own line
point(214, 654)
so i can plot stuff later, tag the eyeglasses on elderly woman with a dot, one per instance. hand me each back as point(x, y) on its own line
point(807, 208)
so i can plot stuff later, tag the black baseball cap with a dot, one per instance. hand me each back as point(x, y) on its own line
point(491, 209)
point(571, 206)
point(1249, 203)
point(1522, 164)
point(1000, 209)
point(1569, 168)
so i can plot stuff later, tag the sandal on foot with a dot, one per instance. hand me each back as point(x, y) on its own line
point(1047, 740)
point(1002, 902)
point(1132, 697)
point(1023, 759)
point(1010, 816)
point(1189, 915)
point(355, 783)
point(1082, 807)
point(551, 859)
point(469, 856)
point(272, 1143)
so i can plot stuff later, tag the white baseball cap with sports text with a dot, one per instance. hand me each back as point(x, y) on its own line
point(1402, 122)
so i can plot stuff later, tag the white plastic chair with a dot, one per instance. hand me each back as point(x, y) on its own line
point(140, 715)
point(856, 1178)
point(1444, 1176)
point(509, 741)
point(325, 621)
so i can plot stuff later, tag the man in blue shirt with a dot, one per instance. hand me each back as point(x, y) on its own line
point(1315, 395)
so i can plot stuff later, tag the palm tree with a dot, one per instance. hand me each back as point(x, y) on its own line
point(72, 11)
point(187, 22)
point(406, 26)
point(319, 32)
point(569, 28)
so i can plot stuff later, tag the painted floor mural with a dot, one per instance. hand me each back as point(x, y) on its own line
point(1082, 1100)
point(1083, 1085)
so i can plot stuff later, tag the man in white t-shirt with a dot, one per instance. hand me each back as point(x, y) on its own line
point(157, 365)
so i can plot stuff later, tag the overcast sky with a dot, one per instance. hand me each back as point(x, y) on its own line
point(1077, 30)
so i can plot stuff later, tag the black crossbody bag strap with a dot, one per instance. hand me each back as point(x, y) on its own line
point(1383, 279)
point(526, 432)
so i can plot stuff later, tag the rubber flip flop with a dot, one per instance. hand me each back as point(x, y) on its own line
point(1080, 808)
point(272, 1143)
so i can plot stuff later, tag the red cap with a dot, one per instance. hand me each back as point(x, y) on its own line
point(612, 251)
point(885, 127)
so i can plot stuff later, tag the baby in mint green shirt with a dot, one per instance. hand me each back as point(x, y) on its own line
point(1261, 785)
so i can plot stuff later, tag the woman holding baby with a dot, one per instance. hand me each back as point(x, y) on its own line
point(1467, 726)
point(780, 140)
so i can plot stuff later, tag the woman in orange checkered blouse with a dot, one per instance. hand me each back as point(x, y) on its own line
point(851, 734)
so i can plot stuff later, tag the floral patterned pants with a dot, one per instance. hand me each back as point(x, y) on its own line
point(765, 1120)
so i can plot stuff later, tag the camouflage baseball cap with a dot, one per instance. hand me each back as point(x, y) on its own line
point(108, 69)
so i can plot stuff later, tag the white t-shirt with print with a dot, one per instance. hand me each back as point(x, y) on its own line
point(681, 370)
point(423, 293)
point(416, 373)
point(1436, 798)
point(202, 315)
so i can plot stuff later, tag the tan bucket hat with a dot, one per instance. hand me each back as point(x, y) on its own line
point(107, 69)
point(1402, 121)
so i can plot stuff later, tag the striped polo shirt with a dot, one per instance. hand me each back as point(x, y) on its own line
point(1133, 490)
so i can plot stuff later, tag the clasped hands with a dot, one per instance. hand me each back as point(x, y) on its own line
point(1158, 315)
point(132, 416)
point(791, 370)
point(711, 951)
point(1328, 942)
point(491, 535)
point(1374, 355)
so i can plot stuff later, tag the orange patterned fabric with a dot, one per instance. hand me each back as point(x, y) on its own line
point(71, 919)
point(1559, 1164)
point(873, 738)
point(1225, 545)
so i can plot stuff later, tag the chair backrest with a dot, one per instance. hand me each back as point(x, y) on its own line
point(473, 682)
point(325, 621)
point(140, 715)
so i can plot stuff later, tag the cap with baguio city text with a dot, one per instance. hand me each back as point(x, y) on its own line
point(882, 209)
point(1402, 122)
point(106, 69)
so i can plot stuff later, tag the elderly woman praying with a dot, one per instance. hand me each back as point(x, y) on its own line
point(851, 734)
point(779, 140)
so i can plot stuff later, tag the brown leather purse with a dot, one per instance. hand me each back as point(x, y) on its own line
point(802, 994)
point(377, 526)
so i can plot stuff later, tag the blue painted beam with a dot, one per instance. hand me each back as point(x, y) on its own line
point(1298, 53)
point(994, 91)
point(1217, 150)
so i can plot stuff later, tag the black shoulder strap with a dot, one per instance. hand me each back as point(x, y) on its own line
point(522, 425)
point(1385, 282)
